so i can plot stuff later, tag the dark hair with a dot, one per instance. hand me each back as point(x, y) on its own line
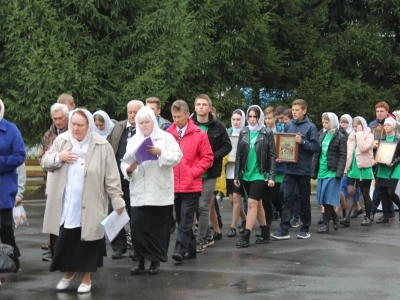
point(280, 109)
point(288, 113)
point(256, 110)
point(237, 112)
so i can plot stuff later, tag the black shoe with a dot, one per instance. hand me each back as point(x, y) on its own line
point(154, 268)
point(47, 257)
point(232, 232)
point(321, 220)
point(177, 257)
point(138, 265)
point(276, 216)
point(324, 228)
point(243, 227)
point(189, 256)
point(244, 240)
point(357, 213)
point(45, 247)
point(382, 221)
point(217, 236)
point(118, 254)
point(265, 235)
point(345, 222)
point(335, 221)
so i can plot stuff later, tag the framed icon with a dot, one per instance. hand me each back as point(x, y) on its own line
point(385, 152)
point(378, 131)
point(287, 150)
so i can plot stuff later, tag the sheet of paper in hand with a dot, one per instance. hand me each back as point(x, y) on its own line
point(141, 153)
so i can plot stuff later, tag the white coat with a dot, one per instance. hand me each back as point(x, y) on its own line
point(152, 183)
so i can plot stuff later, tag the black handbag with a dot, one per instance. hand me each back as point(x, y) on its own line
point(7, 265)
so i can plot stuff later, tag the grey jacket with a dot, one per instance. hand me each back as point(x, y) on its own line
point(21, 171)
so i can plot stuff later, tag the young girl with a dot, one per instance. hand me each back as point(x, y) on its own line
point(103, 123)
point(238, 121)
point(389, 175)
point(360, 160)
point(328, 167)
point(255, 160)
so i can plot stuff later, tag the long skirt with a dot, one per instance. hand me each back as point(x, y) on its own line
point(151, 232)
point(328, 191)
point(71, 254)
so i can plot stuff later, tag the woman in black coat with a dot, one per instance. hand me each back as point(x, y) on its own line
point(328, 168)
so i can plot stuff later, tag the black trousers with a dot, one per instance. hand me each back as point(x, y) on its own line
point(119, 243)
point(7, 230)
point(290, 182)
point(186, 205)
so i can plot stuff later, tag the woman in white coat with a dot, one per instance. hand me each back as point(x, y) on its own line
point(151, 190)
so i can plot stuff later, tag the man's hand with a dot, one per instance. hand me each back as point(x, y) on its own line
point(236, 183)
point(298, 138)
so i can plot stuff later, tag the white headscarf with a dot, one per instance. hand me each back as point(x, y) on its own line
point(363, 122)
point(236, 131)
point(349, 128)
point(80, 148)
point(393, 123)
point(260, 123)
point(108, 124)
point(2, 110)
point(333, 119)
point(143, 111)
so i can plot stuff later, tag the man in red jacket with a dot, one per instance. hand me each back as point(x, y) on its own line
point(197, 158)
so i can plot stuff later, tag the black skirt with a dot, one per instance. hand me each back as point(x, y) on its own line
point(71, 254)
point(389, 183)
point(151, 232)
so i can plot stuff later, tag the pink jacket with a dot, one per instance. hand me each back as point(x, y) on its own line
point(364, 151)
point(197, 158)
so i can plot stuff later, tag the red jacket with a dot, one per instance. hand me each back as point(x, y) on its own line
point(197, 158)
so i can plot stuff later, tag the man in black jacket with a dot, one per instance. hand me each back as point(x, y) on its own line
point(221, 146)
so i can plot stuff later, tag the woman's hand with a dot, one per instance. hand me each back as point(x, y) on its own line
point(271, 183)
point(67, 156)
point(154, 150)
point(120, 210)
point(359, 128)
point(18, 201)
point(132, 167)
point(236, 183)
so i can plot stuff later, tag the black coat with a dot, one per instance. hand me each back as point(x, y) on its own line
point(219, 141)
point(336, 156)
point(265, 149)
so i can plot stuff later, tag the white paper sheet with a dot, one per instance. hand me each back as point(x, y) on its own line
point(113, 224)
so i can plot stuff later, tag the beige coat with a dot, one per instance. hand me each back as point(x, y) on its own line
point(101, 181)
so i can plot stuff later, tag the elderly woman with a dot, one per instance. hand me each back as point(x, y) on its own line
point(152, 192)
point(78, 198)
point(103, 123)
point(12, 155)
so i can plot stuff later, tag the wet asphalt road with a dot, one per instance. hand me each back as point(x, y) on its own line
point(352, 263)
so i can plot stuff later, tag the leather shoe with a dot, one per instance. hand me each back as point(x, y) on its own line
point(382, 221)
point(177, 257)
point(189, 256)
point(84, 288)
point(45, 247)
point(64, 283)
point(138, 265)
point(232, 232)
point(117, 254)
point(154, 268)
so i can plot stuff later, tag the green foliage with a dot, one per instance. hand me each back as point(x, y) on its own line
point(339, 55)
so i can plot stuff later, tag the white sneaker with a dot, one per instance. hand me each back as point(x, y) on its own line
point(84, 288)
point(64, 283)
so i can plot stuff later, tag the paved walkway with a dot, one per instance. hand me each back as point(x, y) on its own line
point(353, 263)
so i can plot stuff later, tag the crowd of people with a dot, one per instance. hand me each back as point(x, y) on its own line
point(93, 169)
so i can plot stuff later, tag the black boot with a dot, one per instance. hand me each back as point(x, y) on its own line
point(138, 265)
point(324, 228)
point(154, 268)
point(244, 240)
point(321, 221)
point(335, 220)
point(265, 235)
